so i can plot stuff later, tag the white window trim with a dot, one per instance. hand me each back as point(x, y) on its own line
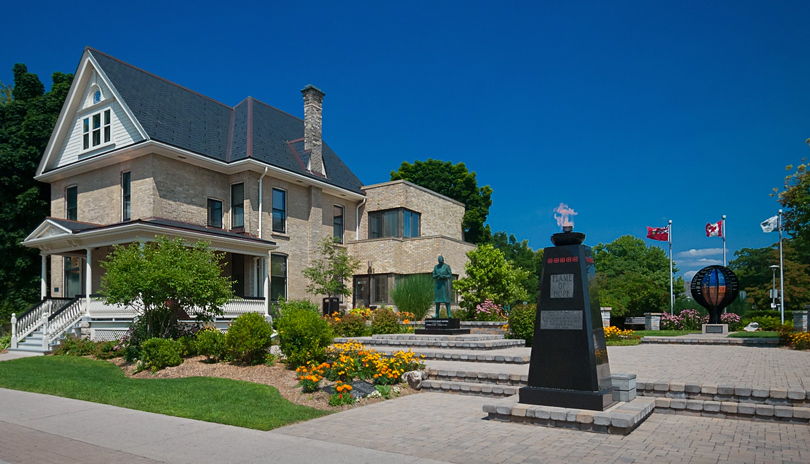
point(89, 118)
point(221, 212)
point(273, 209)
point(230, 205)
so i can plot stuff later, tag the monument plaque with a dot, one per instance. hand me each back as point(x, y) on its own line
point(569, 364)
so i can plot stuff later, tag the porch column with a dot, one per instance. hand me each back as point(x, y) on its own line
point(266, 284)
point(43, 278)
point(88, 284)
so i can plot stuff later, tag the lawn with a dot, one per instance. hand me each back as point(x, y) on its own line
point(664, 333)
point(763, 334)
point(224, 401)
point(632, 342)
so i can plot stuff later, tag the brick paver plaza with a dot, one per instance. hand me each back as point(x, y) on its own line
point(439, 427)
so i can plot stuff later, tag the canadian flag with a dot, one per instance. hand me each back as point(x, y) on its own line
point(714, 229)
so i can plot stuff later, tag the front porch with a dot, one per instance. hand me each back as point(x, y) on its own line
point(71, 256)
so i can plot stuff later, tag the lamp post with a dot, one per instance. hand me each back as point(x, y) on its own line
point(774, 267)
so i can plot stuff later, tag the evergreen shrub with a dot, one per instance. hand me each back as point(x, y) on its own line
point(350, 325)
point(211, 344)
point(158, 353)
point(248, 339)
point(303, 336)
point(521, 322)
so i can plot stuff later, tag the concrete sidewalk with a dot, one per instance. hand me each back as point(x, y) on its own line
point(42, 429)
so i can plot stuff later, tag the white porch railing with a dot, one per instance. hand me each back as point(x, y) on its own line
point(33, 319)
point(62, 322)
point(237, 307)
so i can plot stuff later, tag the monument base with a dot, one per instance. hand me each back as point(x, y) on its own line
point(447, 326)
point(719, 329)
point(574, 399)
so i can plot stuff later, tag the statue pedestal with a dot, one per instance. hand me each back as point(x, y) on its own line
point(448, 326)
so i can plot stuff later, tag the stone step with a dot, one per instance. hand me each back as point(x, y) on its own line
point(725, 393)
point(416, 344)
point(465, 388)
point(466, 338)
point(685, 340)
point(492, 378)
point(733, 410)
point(470, 356)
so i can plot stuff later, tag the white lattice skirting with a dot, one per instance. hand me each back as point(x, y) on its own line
point(107, 335)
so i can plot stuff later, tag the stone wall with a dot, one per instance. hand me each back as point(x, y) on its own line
point(410, 255)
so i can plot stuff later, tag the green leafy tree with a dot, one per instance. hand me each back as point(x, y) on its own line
point(521, 255)
point(753, 269)
point(454, 181)
point(164, 280)
point(633, 278)
point(331, 270)
point(27, 118)
point(490, 277)
point(795, 198)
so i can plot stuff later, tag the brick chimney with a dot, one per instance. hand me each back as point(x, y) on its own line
point(313, 115)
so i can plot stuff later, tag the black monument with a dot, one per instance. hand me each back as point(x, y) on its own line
point(714, 288)
point(569, 365)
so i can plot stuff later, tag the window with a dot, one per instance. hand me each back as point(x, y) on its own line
point(279, 211)
point(214, 213)
point(337, 222)
point(96, 128)
point(278, 277)
point(71, 208)
point(126, 196)
point(393, 223)
point(96, 96)
point(237, 205)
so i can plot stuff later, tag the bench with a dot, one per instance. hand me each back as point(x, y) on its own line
point(635, 321)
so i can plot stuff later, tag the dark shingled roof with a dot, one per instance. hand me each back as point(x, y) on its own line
point(186, 119)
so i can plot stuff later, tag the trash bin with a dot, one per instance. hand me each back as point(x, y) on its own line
point(331, 306)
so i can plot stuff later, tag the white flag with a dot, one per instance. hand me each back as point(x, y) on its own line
point(770, 224)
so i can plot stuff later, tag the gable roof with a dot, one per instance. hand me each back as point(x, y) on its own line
point(180, 117)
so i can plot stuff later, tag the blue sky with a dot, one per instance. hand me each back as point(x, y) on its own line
point(631, 113)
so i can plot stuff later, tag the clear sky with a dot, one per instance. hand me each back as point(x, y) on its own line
point(631, 113)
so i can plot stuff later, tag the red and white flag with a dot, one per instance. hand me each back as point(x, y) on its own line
point(658, 233)
point(714, 229)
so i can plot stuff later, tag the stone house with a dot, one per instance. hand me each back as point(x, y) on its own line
point(134, 156)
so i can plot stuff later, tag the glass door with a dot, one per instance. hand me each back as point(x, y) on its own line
point(73, 276)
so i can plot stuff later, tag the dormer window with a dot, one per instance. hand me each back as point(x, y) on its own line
point(96, 130)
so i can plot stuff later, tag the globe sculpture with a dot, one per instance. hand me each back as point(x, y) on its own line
point(714, 288)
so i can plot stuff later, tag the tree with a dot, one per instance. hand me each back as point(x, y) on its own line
point(6, 94)
point(329, 273)
point(795, 198)
point(633, 278)
point(454, 181)
point(753, 269)
point(521, 255)
point(164, 280)
point(490, 277)
point(27, 118)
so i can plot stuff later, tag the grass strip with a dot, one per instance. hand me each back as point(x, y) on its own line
point(763, 334)
point(623, 342)
point(224, 401)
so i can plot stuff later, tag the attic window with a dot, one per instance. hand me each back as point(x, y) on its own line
point(97, 97)
point(96, 130)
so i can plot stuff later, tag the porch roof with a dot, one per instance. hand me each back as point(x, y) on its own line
point(57, 236)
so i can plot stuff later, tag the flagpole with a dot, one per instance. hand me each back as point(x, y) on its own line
point(723, 231)
point(781, 271)
point(671, 293)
